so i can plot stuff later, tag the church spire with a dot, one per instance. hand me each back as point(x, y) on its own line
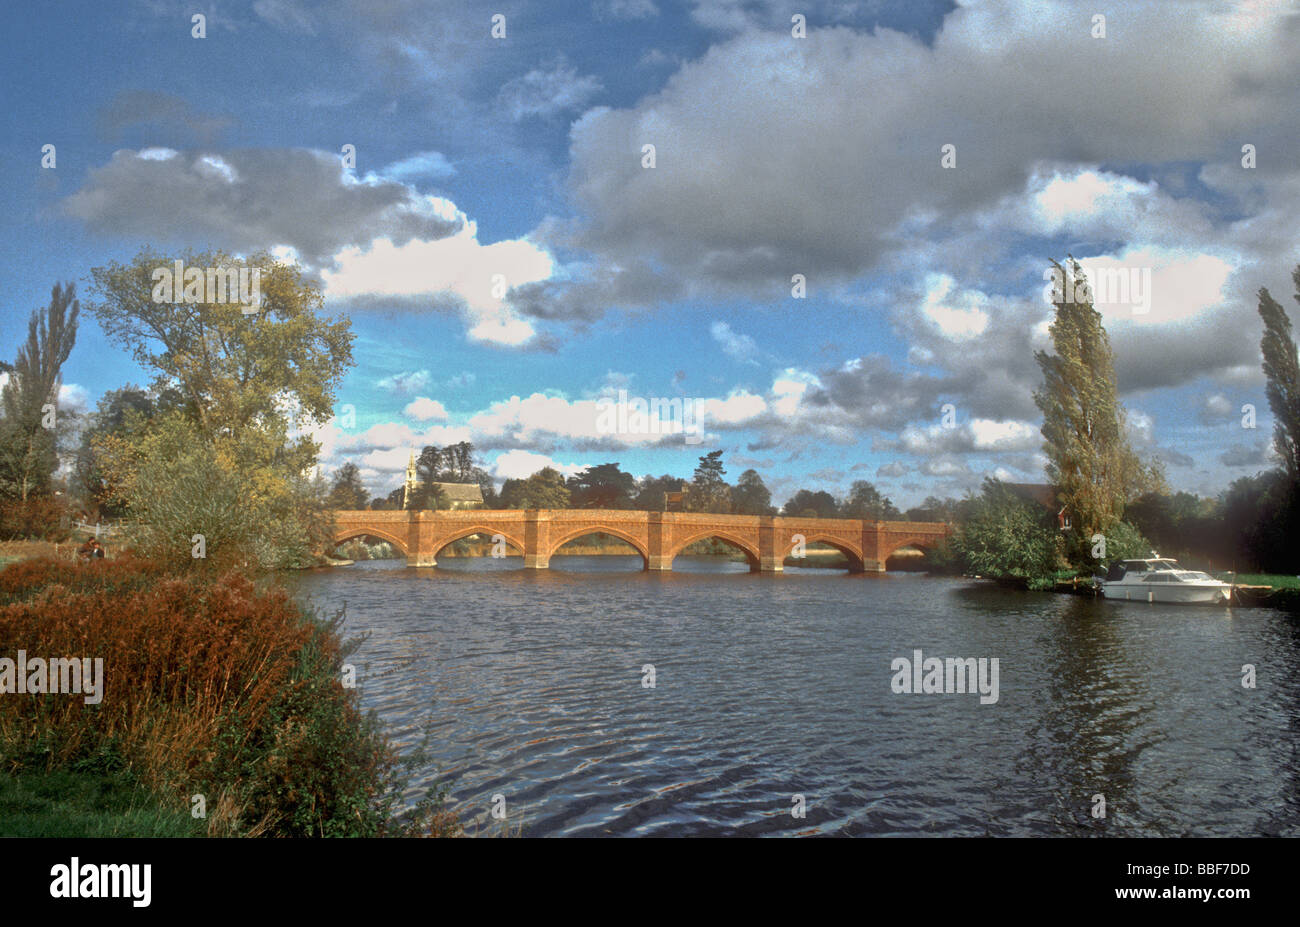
point(410, 482)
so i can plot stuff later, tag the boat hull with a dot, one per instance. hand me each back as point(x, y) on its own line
point(1176, 594)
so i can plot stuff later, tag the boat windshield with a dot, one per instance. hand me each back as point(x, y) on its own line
point(1163, 565)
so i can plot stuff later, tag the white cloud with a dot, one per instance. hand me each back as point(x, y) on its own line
point(425, 409)
point(520, 464)
point(474, 275)
point(958, 317)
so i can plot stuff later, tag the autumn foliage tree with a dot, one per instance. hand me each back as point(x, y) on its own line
point(251, 380)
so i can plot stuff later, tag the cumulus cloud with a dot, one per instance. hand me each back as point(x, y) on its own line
point(425, 409)
point(737, 205)
point(457, 273)
point(521, 464)
point(251, 198)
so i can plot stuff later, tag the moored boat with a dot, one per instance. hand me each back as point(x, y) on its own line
point(1160, 579)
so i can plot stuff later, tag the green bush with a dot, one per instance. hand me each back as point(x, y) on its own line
point(1007, 537)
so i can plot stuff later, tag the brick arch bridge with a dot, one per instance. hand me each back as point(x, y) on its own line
point(658, 536)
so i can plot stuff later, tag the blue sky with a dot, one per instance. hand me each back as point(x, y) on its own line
point(520, 159)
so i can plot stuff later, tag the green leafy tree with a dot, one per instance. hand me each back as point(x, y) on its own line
point(249, 385)
point(936, 509)
point(651, 491)
point(866, 502)
point(1089, 459)
point(348, 491)
point(545, 489)
point(602, 487)
point(234, 369)
point(1006, 537)
point(809, 504)
point(118, 411)
point(750, 495)
point(178, 485)
point(708, 491)
point(29, 400)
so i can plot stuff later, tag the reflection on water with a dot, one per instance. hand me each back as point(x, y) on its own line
point(529, 684)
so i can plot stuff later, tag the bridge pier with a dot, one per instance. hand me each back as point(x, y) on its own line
point(537, 539)
point(771, 555)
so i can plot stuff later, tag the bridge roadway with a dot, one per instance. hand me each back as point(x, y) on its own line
point(658, 536)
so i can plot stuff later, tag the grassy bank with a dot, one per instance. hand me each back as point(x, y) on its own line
point(215, 694)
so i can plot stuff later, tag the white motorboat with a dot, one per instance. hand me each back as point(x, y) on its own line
point(1162, 580)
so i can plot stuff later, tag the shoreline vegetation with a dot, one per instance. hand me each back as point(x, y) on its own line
point(223, 713)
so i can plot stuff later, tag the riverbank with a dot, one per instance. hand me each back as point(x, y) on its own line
point(196, 705)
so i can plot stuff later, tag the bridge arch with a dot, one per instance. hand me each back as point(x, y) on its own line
point(923, 542)
point(748, 547)
point(359, 531)
point(575, 533)
point(853, 554)
point(439, 543)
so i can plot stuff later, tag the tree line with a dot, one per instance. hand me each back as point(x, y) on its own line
point(608, 486)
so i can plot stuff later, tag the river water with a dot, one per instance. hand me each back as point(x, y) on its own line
point(529, 685)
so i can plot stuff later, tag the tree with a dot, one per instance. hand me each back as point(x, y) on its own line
point(602, 487)
point(118, 412)
point(1283, 374)
point(545, 489)
point(866, 502)
point(348, 491)
point(651, 490)
point(1007, 537)
point(1089, 459)
point(750, 496)
point(459, 462)
point(28, 449)
point(708, 491)
point(250, 385)
point(234, 370)
point(936, 509)
point(179, 487)
point(808, 504)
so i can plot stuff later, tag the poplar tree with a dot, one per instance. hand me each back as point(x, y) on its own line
point(1283, 374)
point(28, 455)
point(1089, 459)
